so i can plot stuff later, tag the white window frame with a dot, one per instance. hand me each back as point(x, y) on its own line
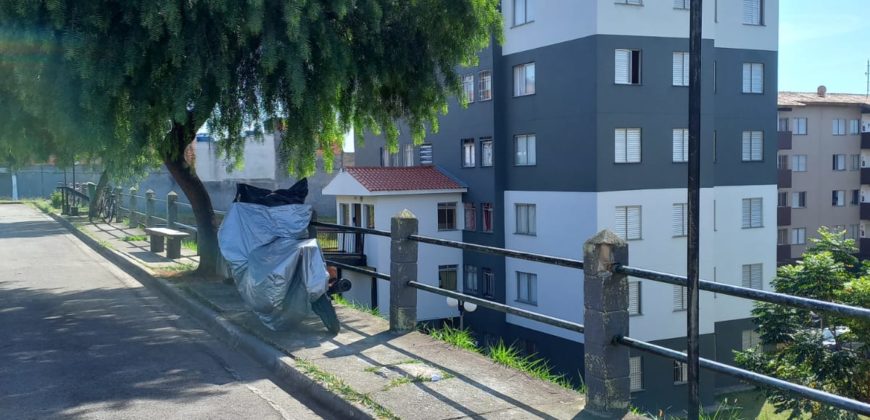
point(838, 162)
point(782, 237)
point(487, 213)
point(753, 146)
point(753, 12)
point(468, 88)
point(629, 222)
point(446, 270)
point(524, 79)
point(625, 62)
point(680, 140)
point(529, 293)
point(753, 78)
point(838, 198)
point(525, 152)
point(679, 219)
point(680, 298)
point(484, 85)
point(753, 217)
point(635, 298)
point(798, 199)
point(749, 339)
point(470, 281)
point(854, 127)
point(856, 162)
point(681, 372)
point(369, 216)
point(486, 152)
point(800, 126)
point(635, 373)
point(408, 152)
point(469, 153)
point(799, 163)
point(447, 208)
point(627, 145)
point(526, 17)
point(488, 282)
point(680, 69)
point(526, 219)
point(425, 153)
point(838, 127)
point(470, 216)
point(752, 276)
point(681, 4)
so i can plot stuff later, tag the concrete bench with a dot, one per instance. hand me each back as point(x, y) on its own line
point(173, 241)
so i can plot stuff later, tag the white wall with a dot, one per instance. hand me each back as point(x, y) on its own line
point(259, 161)
point(377, 248)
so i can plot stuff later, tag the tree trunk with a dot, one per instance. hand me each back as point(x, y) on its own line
point(185, 175)
point(98, 195)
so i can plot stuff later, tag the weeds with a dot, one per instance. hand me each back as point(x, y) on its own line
point(335, 384)
point(341, 300)
point(455, 337)
point(191, 245)
point(134, 238)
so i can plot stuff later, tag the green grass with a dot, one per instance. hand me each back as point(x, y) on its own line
point(340, 300)
point(134, 238)
point(456, 338)
point(180, 267)
point(191, 245)
point(336, 385)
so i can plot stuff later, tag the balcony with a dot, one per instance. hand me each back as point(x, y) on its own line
point(784, 140)
point(865, 211)
point(783, 254)
point(783, 216)
point(864, 248)
point(783, 179)
point(865, 140)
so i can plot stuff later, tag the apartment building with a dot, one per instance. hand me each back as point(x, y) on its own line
point(824, 169)
point(578, 123)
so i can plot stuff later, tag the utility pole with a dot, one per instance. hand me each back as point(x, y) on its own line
point(867, 74)
point(694, 193)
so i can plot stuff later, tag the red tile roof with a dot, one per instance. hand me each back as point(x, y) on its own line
point(410, 178)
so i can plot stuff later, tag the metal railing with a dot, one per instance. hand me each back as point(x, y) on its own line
point(614, 271)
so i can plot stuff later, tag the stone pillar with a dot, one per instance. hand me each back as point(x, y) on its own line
point(149, 208)
point(605, 305)
point(92, 193)
point(132, 207)
point(118, 194)
point(403, 269)
point(171, 209)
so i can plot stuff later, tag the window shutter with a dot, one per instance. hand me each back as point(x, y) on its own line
point(678, 219)
point(756, 276)
point(756, 212)
point(685, 69)
point(747, 145)
point(621, 66)
point(519, 80)
point(633, 222)
point(530, 150)
point(633, 297)
point(632, 145)
point(619, 145)
point(747, 77)
point(756, 145)
point(752, 12)
point(746, 279)
point(757, 78)
point(746, 213)
point(677, 73)
point(681, 297)
point(678, 149)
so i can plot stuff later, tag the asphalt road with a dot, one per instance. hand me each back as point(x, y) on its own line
point(81, 339)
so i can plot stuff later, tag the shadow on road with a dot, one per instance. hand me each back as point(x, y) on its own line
point(33, 229)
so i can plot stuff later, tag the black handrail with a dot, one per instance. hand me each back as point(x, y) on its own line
point(529, 256)
point(353, 229)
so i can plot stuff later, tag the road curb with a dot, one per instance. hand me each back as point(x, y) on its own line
point(279, 363)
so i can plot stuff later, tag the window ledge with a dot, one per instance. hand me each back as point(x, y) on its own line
point(525, 302)
point(524, 234)
point(522, 24)
point(524, 95)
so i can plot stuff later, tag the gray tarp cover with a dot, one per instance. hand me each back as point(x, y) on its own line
point(277, 269)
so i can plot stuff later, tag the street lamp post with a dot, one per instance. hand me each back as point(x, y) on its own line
point(463, 308)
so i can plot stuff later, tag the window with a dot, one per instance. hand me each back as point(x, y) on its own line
point(369, 215)
point(800, 126)
point(344, 214)
point(524, 12)
point(798, 236)
point(681, 145)
point(838, 162)
point(681, 298)
point(527, 288)
point(838, 198)
point(680, 73)
point(798, 199)
point(782, 125)
point(470, 216)
point(525, 150)
point(838, 127)
point(752, 146)
point(628, 222)
point(446, 216)
point(468, 87)
point(627, 67)
point(782, 237)
point(524, 79)
point(681, 4)
point(856, 162)
point(752, 276)
point(853, 231)
point(681, 372)
point(626, 145)
point(752, 12)
point(425, 153)
point(486, 152)
point(635, 374)
point(679, 219)
point(753, 78)
point(631, 2)
point(782, 199)
point(853, 127)
point(856, 197)
point(799, 163)
point(526, 219)
point(751, 213)
point(484, 85)
point(468, 153)
point(782, 162)
point(634, 307)
point(447, 277)
point(385, 157)
point(470, 283)
point(750, 339)
point(408, 154)
point(488, 283)
point(486, 209)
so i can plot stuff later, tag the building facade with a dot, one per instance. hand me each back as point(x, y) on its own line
point(824, 169)
point(578, 123)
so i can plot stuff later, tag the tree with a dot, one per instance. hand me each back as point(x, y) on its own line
point(155, 71)
point(795, 346)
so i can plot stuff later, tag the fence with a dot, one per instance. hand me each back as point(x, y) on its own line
point(72, 198)
point(605, 328)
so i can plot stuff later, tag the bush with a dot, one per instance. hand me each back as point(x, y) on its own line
point(56, 199)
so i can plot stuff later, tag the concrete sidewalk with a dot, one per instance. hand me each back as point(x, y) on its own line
point(376, 373)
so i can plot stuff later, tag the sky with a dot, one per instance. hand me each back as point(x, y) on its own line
point(824, 42)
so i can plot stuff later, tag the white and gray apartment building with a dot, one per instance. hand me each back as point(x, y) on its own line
point(824, 169)
point(578, 123)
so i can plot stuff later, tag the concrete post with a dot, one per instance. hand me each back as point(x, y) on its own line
point(403, 269)
point(605, 305)
point(149, 208)
point(118, 216)
point(171, 209)
point(92, 191)
point(132, 207)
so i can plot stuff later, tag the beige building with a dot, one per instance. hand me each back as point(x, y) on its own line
point(824, 169)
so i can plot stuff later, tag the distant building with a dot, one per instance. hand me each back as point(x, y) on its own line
point(824, 169)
